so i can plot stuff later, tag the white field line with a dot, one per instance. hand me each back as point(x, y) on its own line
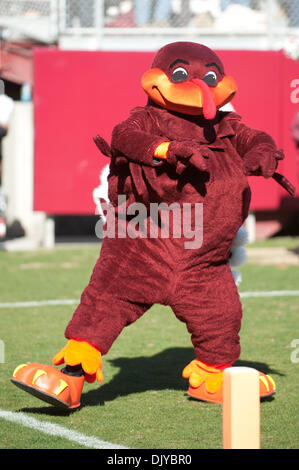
point(56, 430)
point(38, 303)
point(42, 303)
point(272, 293)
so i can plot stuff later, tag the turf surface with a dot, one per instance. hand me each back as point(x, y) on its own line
point(142, 402)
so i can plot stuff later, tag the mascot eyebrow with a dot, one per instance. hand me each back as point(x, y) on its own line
point(215, 65)
point(182, 61)
point(176, 61)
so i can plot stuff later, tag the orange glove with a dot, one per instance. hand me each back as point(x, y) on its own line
point(197, 372)
point(80, 352)
point(161, 150)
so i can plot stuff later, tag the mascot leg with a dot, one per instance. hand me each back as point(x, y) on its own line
point(212, 313)
point(63, 387)
point(107, 306)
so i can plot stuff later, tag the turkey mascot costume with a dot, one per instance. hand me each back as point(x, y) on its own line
point(179, 148)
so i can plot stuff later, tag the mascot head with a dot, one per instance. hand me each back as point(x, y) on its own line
point(188, 78)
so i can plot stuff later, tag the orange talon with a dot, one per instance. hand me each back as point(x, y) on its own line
point(267, 385)
point(49, 384)
point(205, 382)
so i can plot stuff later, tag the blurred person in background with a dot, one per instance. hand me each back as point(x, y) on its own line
point(295, 130)
point(295, 136)
point(226, 3)
point(293, 13)
point(80, 14)
point(6, 109)
point(154, 12)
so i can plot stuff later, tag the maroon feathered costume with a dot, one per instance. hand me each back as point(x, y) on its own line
point(179, 148)
point(133, 274)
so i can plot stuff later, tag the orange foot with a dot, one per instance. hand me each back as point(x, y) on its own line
point(49, 384)
point(205, 382)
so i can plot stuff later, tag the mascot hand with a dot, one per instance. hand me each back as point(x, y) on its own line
point(81, 352)
point(263, 161)
point(186, 152)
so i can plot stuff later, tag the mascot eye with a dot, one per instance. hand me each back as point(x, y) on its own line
point(179, 75)
point(210, 78)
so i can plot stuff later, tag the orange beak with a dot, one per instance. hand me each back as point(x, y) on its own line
point(193, 97)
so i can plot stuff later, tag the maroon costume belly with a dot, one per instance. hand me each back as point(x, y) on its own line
point(222, 190)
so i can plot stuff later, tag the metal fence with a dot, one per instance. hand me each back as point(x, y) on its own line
point(30, 19)
point(202, 14)
point(145, 20)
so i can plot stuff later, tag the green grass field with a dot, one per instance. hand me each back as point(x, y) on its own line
point(142, 403)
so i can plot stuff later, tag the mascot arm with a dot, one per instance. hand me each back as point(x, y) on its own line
point(137, 139)
point(258, 150)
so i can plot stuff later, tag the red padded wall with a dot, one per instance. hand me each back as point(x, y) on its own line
point(79, 94)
